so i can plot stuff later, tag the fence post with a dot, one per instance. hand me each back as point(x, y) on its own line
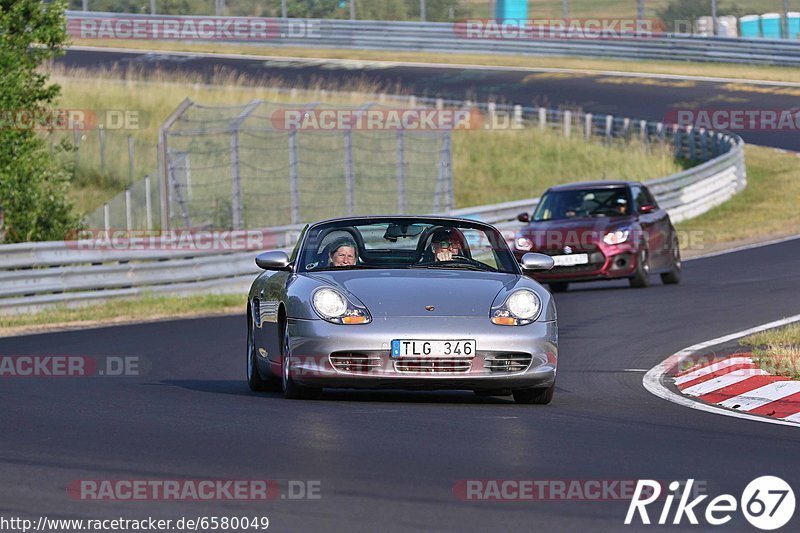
point(518, 117)
point(643, 131)
point(294, 186)
point(236, 182)
point(690, 137)
point(704, 145)
point(106, 218)
point(444, 182)
point(148, 206)
point(128, 212)
point(163, 163)
point(101, 131)
point(626, 128)
point(130, 159)
point(401, 171)
point(439, 104)
point(567, 123)
point(491, 109)
point(609, 127)
point(542, 118)
point(349, 178)
point(587, 126)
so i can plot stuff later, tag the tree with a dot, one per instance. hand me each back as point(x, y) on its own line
point(33, 187)
point(691, 10)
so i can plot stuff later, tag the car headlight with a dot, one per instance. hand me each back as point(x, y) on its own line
point(332, 306)
point(523, 243)
point(617, 236)
point(520, 308)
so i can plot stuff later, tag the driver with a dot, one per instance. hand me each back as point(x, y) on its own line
point(447, 243)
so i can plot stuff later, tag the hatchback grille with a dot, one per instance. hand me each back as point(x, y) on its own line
point(507, 363)
point(431, 365)
point(353, 362)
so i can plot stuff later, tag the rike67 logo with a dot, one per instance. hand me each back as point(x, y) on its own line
point(767, 503)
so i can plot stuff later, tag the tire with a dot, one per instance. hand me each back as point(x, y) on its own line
point(641, 276)
point(292, 390)
point(560, 286)
point(255, 381)
point(540, 396)
point(673, 277)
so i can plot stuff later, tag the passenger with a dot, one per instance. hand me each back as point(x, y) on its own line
point(343, 253)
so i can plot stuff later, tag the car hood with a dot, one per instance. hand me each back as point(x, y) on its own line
point(406, 293)
point(554, 234)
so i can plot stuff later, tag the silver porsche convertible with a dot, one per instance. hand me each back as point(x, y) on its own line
point(402, 302)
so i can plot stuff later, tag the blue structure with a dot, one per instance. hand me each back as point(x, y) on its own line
point(511, 9)
point(771, 26)
point(750, 26)
point(794, 25)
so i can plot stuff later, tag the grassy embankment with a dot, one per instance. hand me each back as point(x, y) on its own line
point(777, 351)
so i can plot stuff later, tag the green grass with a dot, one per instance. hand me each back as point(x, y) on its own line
point(499, 166)
point(145, 308)
point(777, 351)
point(767, 207)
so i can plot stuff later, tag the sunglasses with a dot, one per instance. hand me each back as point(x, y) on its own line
point(447, 244)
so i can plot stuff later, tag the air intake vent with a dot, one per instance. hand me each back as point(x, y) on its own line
point(508, 363)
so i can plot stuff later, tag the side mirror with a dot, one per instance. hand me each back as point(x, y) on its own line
point(533, 261)
point(647, 208)
point(273, 260)
point(524, 217)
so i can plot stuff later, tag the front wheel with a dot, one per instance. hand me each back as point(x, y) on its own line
point(539, 396)
point(292, 390)
point(641, 276)
point(254, 379)
point(673, 277)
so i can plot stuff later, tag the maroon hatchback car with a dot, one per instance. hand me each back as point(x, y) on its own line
point(601, 230)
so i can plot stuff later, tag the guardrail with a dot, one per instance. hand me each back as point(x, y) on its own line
point(441, 37)
point(35, 276)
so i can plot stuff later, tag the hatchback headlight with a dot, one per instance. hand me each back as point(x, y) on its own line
point(617, 236)
point(333, 306)
point(521, 307)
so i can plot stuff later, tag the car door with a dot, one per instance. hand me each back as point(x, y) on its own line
point(648, 220)
point(662, 228)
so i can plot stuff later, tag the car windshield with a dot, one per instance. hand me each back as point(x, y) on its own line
point(577, 203)
point(404, 244)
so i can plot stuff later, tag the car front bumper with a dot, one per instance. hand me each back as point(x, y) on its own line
point(359, 356)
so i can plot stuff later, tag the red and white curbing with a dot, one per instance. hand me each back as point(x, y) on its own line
point(739, 383)
point(735, 386)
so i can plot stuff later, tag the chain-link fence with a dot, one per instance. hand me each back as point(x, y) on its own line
point(244, 167)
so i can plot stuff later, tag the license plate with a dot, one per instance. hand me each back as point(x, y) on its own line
point(570, 260)
point(441, 348)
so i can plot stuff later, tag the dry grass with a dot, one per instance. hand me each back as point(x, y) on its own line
point(145, 308)
point(777, 351)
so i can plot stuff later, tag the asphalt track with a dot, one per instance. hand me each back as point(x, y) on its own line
point(647, 98)
point(389, 460)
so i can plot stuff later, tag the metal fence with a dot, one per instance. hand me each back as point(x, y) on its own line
point(39, 275)
point(438, 37)
point(242, 167)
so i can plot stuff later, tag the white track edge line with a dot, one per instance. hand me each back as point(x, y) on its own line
point(652, 380)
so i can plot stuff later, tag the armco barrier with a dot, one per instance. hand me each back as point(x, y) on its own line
point(440, 37)
point(35, 276)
